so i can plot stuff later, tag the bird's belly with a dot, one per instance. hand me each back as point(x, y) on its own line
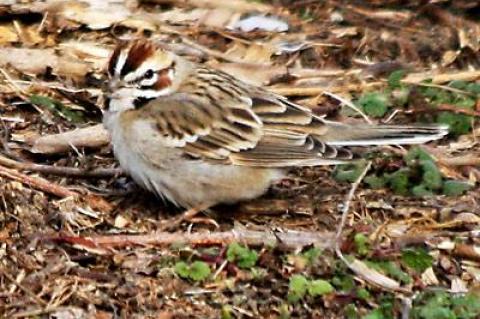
point(188, 182)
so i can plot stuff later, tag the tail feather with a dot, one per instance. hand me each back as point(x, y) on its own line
point(366, 135)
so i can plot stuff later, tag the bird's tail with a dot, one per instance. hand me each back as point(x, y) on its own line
point(365, 135)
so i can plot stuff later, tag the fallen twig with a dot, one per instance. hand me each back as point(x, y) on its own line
point(92, 136)
point(60, 171)
point(36, 182)
point(288, 239)
point(357, 266)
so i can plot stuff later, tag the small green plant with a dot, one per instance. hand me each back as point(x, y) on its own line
point(417, 259)
point(311, 255)
point(349, 173)
point(394, 79)
point(362, 244)
point(391, 269)
point(242, 256)
point(57, 107)
point(197, 271)
point(466, 99)
point(374, 104)
point(442, 305)
point(455, 188)
point(299, 286)
point(421, 177)
point(384, 311)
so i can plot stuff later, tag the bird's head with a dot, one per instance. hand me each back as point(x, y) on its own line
point(138, 72)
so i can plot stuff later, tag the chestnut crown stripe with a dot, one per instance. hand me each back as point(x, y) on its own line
point(138, 53)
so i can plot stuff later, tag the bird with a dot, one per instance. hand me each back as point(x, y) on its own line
point(197, 136)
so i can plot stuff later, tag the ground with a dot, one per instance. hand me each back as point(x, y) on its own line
point(80, 240)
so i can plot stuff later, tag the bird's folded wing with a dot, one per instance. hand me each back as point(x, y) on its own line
point(242, 133)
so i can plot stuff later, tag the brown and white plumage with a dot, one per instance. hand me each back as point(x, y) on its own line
point(199, 137)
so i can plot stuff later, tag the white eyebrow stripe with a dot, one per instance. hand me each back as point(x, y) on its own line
point(144, 67)
point(122, 58)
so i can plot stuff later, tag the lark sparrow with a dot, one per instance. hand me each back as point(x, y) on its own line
point(197, 136)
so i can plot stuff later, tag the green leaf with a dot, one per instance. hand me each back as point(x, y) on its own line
point(391, 269)
point(465, 103)
point(182, 269)
point(319, 287)
point(458, 123)
point(242, 256)
point(297, 287)
point(473, 88)
point(361, 243)
point(458, 84)
point(348, 173)
point(421, 191)
point(432, 178)
point(417, 258)
point(312, 255)
point(344, 282)
point(57, 107)
point(363, 293)
point(197, 271)
point(417, 154)
point(395, 77)
point(398, 181)
point(375, 182)
point(374, 104)
point(455, 188)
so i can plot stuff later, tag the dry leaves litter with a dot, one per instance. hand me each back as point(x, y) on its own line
point(78, 239)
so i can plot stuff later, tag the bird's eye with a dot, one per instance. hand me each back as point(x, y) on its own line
point(148, 75)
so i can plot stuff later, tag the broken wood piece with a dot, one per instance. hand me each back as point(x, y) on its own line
point(90, 137)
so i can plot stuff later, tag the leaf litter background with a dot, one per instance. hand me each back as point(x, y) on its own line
point(410, 238)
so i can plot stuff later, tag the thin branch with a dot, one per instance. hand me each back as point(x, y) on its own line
point(36, 182)
point(357, 266)
point(346, 208)
point(288, 239)
point(61, 171)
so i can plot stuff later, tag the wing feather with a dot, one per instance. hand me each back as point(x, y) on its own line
point(249, 127)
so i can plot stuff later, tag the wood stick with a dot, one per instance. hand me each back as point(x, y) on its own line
point(93, 136)
point(288, 239)
point(36, 182)
point(59, 170)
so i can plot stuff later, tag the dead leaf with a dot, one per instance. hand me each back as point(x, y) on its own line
point(7, 35)
point(36, 61)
